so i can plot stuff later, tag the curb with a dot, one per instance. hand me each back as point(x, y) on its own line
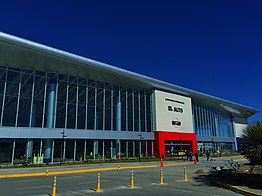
point(233, 188)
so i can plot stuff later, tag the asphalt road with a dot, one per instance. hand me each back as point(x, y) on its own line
point(117, 183)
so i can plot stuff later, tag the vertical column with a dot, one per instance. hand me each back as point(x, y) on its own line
point(104, 106)
point(3, 103)
point(95, 149)
point(140, 148)
point(50, 119)
point(152, 146)
point(119, 150)
point(64, 150)
point(118, 113)
point(41, 147)
point(67, 94)
point(234, 134)
point(112, 103)
point(85, 151)
point(133, 112)
point(86, 105)
point(118, 124)
point(77, 91)
point(44, 105)
point(145, 112)
point(13, 153)
point(32, 108)
point(56, 97)
point(32, 119)
point(111, 149)
point(126, 110)
point(96, 113)
point(18, 99)
point(134, 149)
point(53, 148)
point(127, 149)
point(29, 149)
point(75, 150)
point(146, 149)
point(139, 112)
point(103, 150)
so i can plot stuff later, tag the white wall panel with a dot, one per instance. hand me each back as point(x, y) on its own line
point(173, 113)
point(239, 127)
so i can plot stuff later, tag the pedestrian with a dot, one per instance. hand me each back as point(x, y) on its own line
point(208, 154)
point(190, 156)
point(187, 155)
point(196, 155)
point(218, 153)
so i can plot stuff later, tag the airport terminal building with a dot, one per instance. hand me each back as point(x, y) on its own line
point(60, 105)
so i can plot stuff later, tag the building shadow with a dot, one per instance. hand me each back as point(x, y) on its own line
point(252, 181)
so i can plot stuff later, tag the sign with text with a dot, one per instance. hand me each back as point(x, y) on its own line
point(172, 112)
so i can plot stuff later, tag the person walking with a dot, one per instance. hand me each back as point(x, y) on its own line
point(187, 155)
point(190, 156)
point(208, 154)
point(196, 156)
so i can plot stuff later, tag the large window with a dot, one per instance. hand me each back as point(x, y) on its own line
point(27, 97)
point(211, 122)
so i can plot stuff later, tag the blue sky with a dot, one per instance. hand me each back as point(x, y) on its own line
point(214, 47)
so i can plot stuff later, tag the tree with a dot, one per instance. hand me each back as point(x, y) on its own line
point(252, 143)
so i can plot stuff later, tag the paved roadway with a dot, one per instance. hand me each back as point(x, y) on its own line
point(117, 182)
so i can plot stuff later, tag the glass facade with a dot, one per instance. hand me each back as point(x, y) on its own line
point(79, 103)
point(38, 99)
point(213, 124)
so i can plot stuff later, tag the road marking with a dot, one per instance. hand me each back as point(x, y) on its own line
point(86, 170)
point(17, 181)
point(33, 187)
point(75, 192)
point(90, 182)
point(70, 177)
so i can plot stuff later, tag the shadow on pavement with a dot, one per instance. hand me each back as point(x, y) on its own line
point(252, 181)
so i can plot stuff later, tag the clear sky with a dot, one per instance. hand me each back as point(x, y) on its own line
point(211, 46)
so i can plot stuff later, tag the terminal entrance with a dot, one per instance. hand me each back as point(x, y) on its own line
point(175, 148)
point(173, 143)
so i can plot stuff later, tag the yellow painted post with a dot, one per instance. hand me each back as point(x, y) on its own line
point(46, 172)
point(185, 175)
point(98, 190)
point(132, 185)
point(118, 167)
point(54, 187)
point(161, 176)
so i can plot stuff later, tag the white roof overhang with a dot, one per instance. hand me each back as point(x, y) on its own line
point(18, 52)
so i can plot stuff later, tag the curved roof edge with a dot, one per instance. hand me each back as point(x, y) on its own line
point(155, 83)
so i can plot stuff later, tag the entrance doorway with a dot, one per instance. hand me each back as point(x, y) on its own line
point(176, 147)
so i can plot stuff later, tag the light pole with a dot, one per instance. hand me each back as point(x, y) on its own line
point(139, 154)
point(62, 145)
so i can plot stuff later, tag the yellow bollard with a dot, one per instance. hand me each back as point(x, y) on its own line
point(118, 167)
point(132, 185)
point(185, 175)
point(54, 187)
point(161, 176)
point(98, 190)
point(46, 172)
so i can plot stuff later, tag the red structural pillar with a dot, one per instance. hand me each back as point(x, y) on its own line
point(159, 145)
